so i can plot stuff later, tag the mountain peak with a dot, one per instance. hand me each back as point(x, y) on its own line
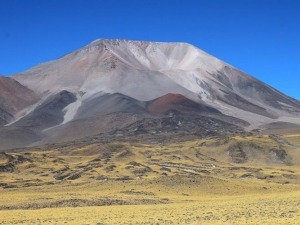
point(155, 55)
point(137, 42)
point(178, 75)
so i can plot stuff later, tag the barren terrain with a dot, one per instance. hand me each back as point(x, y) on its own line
point(251, 179)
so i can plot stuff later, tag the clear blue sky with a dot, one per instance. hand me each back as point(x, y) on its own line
point(260, 37)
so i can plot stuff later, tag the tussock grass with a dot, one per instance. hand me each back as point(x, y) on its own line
point(191, 182)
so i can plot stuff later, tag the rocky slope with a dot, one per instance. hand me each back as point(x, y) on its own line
point(13, 98)
point(120, 87)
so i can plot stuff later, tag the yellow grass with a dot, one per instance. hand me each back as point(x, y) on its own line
point(192, 182)
point(245, 209)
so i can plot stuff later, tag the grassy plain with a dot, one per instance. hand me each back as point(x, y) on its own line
point(230, 180)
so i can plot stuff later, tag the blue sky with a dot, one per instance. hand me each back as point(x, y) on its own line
point(260, 37)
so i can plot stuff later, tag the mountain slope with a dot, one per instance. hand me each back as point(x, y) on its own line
point(117, 85)
point(49, 113)
point(148, 70)
point(13, 98)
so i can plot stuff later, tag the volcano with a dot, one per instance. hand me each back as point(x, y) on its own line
point(118, 88)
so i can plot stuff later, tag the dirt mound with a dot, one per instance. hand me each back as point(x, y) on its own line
point(166, 103)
